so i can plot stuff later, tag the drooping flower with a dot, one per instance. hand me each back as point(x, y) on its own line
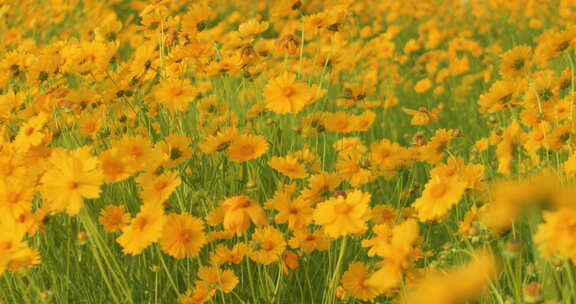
point(236, 213)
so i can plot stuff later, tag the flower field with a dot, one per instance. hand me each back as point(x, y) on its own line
point(287, 151)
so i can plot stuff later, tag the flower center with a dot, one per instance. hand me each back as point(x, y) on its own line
point(140, 223)
point(288, 92)
point(343, 208)
point(267, 246)
point(438, 190)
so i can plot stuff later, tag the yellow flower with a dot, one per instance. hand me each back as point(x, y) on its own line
point(183, 236)
point(216, 278)
point(344, 215)
point(218, 142)
point(252, 27)
point(239, 211)
point(284, 94)
point(12, 248)
point(246, 147)
point(556, 235)
point(201, 294)
point(438, 197)
point(175, 148)
point(379, 244)
point(114, 166)
point(145, 229)
point(16, 196)
point(30, 133)
point(516, 62)
point(175, 94)
point(423, 85)
point(267, 245)
point(357, 281)
point(422, 116)
point(289, 166)
point(74, 176)
point(224, 255)
point(114, 218)
point(433, 151)
point(157, 189)
point(456, 286)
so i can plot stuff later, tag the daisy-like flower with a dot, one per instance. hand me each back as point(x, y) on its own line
point(175, 148)
point(157, 189)
point(198, 295)
point(114, 166)
point(74, 176)
point(438, 198)
point(344, 215)
point(246, 147)
point(114, 218)
point(459, 285)
point(556, 235)
point(356, 281)
point(12, 248)
point(136, 149)
point(252, 27)
point(216, 278)
point(433, 151)
point(423, 85)
point(516, 62)
point(183, 236)
point(218, 142)
point(16, 197)
point(422, 116)
point(225, 255)
point(175, 94)
point(30, 134)
point(284, 94)
point(194, 21)
point(289, 166)
point(296, 214)
point(309, 241)
point(239, 211)
point(501, 95)
point(267, 245)
point(379, 243)
point(145, 229)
